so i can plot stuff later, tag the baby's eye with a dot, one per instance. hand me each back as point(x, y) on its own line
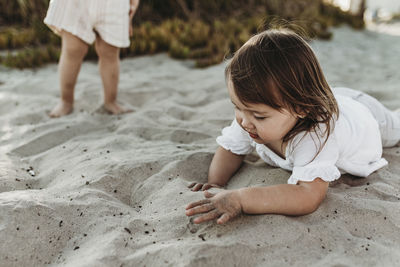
point(259, 118)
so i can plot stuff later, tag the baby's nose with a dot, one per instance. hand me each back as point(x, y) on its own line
point(247, 124)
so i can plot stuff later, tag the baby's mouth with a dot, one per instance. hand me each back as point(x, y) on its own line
point(254, 136)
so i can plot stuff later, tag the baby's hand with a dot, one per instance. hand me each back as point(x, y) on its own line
point(224, 205)
point(199, 186)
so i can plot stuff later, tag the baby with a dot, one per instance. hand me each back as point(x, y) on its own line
point(287, 112)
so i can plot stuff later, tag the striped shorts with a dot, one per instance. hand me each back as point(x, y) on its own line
point(87, 18)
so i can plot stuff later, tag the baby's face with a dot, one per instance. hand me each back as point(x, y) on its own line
point(263, 123)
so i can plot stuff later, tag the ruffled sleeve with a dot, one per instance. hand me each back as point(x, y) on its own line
point(308, 164)
point(235, 139)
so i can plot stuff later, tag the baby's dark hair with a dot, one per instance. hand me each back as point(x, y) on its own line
point(278, 68)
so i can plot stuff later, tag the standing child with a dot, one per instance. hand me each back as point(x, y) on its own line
point(108, 23)
point(286, 111)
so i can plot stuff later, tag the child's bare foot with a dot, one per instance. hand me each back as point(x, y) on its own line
point(63, 108)
point(116, 109)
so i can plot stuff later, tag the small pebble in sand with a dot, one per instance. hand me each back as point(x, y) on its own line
point(75, 248)
point(129, 231)
point(202, 237)
point(87, 182)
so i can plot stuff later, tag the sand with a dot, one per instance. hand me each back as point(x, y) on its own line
point(91, 189)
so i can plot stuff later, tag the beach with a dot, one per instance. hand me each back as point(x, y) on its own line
point(91, 189)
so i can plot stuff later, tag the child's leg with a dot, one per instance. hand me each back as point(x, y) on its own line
point(73, 50)
point(109, 71)
point(389, 121)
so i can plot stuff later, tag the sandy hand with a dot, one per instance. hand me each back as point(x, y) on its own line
point(224, 205)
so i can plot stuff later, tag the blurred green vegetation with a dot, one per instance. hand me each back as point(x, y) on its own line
point(203, 30)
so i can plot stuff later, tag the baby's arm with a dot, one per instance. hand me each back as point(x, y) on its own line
point(286, 199)
point(223, 165)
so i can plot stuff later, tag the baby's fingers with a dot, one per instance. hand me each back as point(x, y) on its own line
point(200, 209)
point(208, 186)
point(197, 203)
point(195, 186)
point(207, 217)
point(224, 218)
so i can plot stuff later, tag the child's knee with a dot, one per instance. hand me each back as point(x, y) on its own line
point(106, 51)
point(75, 51)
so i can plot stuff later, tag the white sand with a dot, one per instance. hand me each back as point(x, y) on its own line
point(111, 190)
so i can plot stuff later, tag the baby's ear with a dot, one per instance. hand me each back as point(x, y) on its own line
point(301, 114)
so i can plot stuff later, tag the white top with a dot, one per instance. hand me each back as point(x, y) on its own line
point(354, 146)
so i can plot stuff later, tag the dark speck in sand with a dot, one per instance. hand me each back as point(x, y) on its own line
point(18, 180)
point(129, 231)
point(87, 182)
point(75, 248)
point(202, 237)
point(146, 232)
point(115, 191)
point(17, 228)
point(60, 223)
point(85, 150)
point(108, 151)
point(145, 224)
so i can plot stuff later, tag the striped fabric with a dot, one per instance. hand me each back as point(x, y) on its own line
point(85, 18)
